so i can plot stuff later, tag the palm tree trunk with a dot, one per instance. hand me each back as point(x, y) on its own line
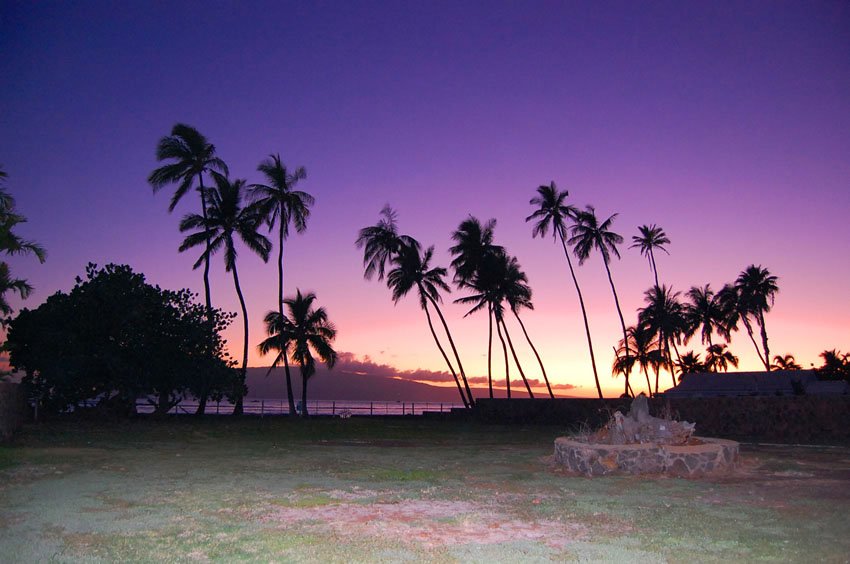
point(749, 327)
point(454, 350)
point(238, 407)
point(583, 314)
point(620, 313)
point(289, 395)
point(304, 379)
point(648, 383)
point(533, 348)
point(202, 401)
point(490, 349)
point(654, 268)
point(505, 352)
point(516, 360)
point(764, 341)
point(445, 357)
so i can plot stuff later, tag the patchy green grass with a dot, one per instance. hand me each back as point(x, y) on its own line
point(394, 490)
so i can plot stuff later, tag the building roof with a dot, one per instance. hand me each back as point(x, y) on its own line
point(710, 384)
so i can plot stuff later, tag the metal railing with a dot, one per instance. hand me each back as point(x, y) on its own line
point(334, 408)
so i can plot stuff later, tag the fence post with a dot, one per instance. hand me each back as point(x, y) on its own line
point(262, 407)
point(370, 408)
point(333, 408)
point(216, 406)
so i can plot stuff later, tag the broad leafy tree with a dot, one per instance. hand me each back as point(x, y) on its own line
point(281, 203)
point(115, 339)
point(227, 219)
point(553, 212)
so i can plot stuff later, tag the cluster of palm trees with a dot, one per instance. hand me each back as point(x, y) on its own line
point(12, 244)
point(231, 209)
point(496, 283)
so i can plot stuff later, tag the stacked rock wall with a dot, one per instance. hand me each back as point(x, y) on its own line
point(12, 408)
point(753, 418)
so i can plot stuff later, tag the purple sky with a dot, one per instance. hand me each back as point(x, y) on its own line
point(728, 124)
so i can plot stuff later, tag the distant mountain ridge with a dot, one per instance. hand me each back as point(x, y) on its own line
point(345, 385)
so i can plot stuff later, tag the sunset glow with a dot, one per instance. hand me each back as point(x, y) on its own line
point(725, 124)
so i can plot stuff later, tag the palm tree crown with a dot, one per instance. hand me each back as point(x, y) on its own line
point(588, 234)
point(278, 199)
point(651, 237)
point(226, 218)
point(473, 245)
point(382, 241)
point(551, 211)
point(191, 155)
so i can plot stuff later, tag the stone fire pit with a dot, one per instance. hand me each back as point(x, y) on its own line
point(638, 443)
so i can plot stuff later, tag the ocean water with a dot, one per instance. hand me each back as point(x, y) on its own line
point(338, 408)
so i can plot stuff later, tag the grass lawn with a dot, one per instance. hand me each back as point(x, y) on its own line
point(409, 489)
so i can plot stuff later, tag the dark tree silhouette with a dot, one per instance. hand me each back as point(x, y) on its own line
point(382, 245)
point(226, 219)
point(651, 237)
point(413, 270)
point(305, 331)
point(553, 212)
point(703, 313)
point(644, 351)
point(663, 317)
point(190, 156)
point(785, 362)
point(589, 234)
point(689, 363)
point(756, 289)
point(12, 244)
point(280, 203)
point(718, 357)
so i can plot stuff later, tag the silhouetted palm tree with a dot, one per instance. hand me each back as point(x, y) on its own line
point(689, 363)
point(474, 243)
point(280, 203)
point(12, 244)
point(191, 155)
point(703, 313)
point(718, 357)
point(553, 212)
point(785, 362)
point(305, 331)
point(227, 218)
point(643, 348)
point(651, 237)
point(382, 241)
point(756, 288)
point(663, 317)
point(517, 293)
point(413, 270)
point(589, 234)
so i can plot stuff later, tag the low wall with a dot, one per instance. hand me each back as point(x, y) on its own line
point(755, 418)
point(12, 408)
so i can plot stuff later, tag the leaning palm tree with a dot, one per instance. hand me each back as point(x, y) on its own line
point(663, 317)
point(517, 293)
point(304, 332)
point(280, 203)
point(226, 219)
point(381, 242)
point(756, 288)
point(553, 212)
point(412, 269)
point(718, 357)
point(589, 234)
point(785, 362)
point(499, 279)
point(651, 237)
point(190, 156)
